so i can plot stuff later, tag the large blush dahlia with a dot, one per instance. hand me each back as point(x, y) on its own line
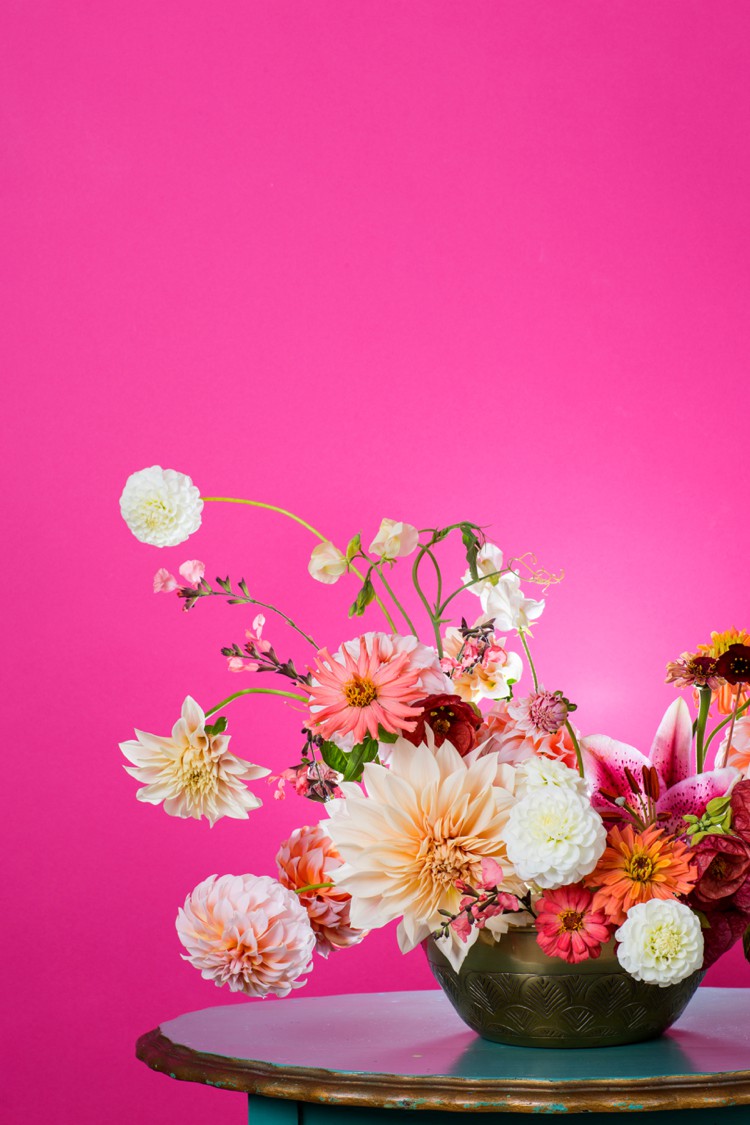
point(248, 932)
point(428, 820)
point(161, 506)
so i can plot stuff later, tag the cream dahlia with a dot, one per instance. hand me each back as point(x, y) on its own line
point(192, 771)
point(661, 942)
point(358, 694)
point(247, 931)
point(161, 506)
point(307, 859)
point(423, 824)
point(554, 837)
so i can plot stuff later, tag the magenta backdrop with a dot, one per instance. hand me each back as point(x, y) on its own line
point(424, 260)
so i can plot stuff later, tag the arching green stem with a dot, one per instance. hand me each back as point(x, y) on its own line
point(255, 691)
point(700, 727)
point(574, 740)
point(303, 523)
point(528, 657)
point(396, 602)
point(740, 711)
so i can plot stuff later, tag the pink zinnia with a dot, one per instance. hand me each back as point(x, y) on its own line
point(356, 696)
point(568, 926)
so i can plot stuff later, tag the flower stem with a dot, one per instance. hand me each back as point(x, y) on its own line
point(576, 745)
point(396, 602)
point(312, 887)
point(734, 716)
point(700, 730)
point(521, 633)
point(740, 711)
point(467, 585)
point(255, 691)
point(432, 616)
point(303, 523)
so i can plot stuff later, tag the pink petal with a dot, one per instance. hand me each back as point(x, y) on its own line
point(671, 751)
point(692, 795)
point(192, 571)
point(164, 582)
point(492, 873)
point(604, 762)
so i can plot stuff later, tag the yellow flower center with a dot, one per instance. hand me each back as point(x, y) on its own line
point(445, 862)
point(665, 941)
point(360, 693)
point(640, 868)
point(571, 920)
point(198, 777)
point(154, 512)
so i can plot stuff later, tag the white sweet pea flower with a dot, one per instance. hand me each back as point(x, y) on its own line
point(505, 604)
point(161, 506)
point(489, 560)
point(661, 942)
point(553, 836)
point(327, 563)
point(395, 540)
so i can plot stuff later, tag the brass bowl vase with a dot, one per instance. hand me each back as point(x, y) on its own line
point(511, 992)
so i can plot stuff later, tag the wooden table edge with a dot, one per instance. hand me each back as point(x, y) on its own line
point(446, 1094)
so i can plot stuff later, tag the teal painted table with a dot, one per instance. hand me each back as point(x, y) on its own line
point(381, 1058)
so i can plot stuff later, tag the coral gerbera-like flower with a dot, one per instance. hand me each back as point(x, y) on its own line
point(307, 859)
point(554, 836)
point(161, 506)
point(519, 728)
point(660, 942)
point(356, 696)
point(249, 932)
point(725, 696)
point(569, 925)
point(191, 770)
point(419, 832)
point(637, 867)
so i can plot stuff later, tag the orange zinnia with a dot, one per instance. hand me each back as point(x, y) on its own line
point(636, 867)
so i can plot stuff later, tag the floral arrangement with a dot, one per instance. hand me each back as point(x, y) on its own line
point(455, 802)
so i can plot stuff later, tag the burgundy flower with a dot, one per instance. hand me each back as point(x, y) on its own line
point(725, 927)
point(723, 864)
point(734, 664)
point(692, 670)
point(449, 717)
point(740, 803)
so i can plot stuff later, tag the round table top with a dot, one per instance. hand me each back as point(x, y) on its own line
point(410, 1050)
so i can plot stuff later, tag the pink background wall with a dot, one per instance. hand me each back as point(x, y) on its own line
point(425, 260)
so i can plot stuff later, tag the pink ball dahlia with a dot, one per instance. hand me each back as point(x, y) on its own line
point(247, 931)
point(568, 926)
point(307, 858)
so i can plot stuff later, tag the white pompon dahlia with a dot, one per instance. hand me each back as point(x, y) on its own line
point(660, 942)
point(539, 772)
point(161, 506)
point(554, 837)
point(249, 932)
point(192, 771)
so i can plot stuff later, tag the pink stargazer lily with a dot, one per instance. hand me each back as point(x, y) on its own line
point(681, 789)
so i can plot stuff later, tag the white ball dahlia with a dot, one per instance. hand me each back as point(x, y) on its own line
point(161, 506)
point(249, 932)
point(661, 942)
point(539, 772)
point(554, 837)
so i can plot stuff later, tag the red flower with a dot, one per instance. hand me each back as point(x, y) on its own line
point(725, 927)
point(449, 717)
point(740, 802)
point(734, 664)
point(723, 864)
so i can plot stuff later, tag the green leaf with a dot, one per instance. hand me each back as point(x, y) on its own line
point(333, 756)
point(362, 753)
point(218, 727)
point(471, 543)
point(386, 736)
point(364, 597)
point(353, 547)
